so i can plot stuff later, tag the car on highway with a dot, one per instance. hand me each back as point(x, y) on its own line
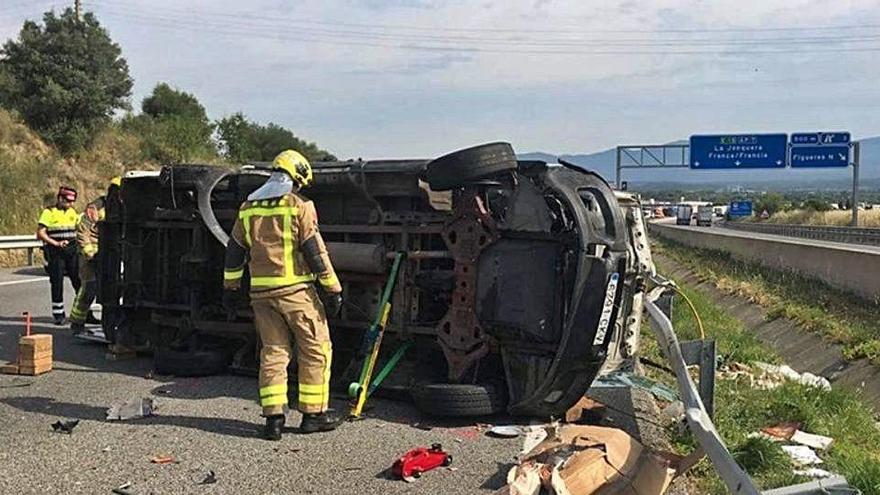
point(521, 279)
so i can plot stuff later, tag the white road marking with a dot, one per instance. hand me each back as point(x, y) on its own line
point(25, 281)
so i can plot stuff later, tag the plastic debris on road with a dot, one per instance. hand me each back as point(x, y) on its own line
point(813, 473)
point(65, 426)
point(802, 455)
point(163, 459)
point(627, 379)
point(819, 442)
point(209, 478)
point(133, 409)
point(774, 374)
point(504, 431)
point(582, 459)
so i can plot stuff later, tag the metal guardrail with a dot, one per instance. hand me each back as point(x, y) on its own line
point(849, 235)
point(699, 421)
point(28, 242)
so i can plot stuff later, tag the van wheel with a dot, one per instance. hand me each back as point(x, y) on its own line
point(460, 167)
point(457, 400)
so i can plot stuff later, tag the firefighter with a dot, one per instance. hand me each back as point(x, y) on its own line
point(87, 248)
point(56, 228)
point(293, 288)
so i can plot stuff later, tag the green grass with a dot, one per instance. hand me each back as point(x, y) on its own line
point(840, 316)
point(741, 409)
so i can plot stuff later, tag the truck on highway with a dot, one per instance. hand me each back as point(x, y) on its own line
point(521, 279)
point(704, 215)
point(683, 214)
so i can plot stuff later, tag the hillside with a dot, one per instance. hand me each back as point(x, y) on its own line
point(603, 162)
point(31, 171)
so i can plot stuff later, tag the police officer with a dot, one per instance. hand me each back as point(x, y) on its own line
point(56, 228)
point(293, 288)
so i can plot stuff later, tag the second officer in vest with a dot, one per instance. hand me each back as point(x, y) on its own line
point(293, 288)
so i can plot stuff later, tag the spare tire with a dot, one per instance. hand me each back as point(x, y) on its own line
point(457, 400)
point(460, 167)
point(189, 363)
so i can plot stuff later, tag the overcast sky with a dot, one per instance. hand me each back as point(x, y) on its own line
point(394, 78)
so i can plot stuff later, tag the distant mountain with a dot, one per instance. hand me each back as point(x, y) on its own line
point(604, 162)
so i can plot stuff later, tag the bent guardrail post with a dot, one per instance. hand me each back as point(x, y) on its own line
point(699, 422)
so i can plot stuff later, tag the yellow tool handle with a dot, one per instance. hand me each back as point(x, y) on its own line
point(362, 396)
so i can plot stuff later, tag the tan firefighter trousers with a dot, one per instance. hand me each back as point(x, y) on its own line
point(301, 314)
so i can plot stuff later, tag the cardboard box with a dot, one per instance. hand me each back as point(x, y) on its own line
point(599, 460)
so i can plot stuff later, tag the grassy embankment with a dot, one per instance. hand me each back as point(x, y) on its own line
point(31, 171)
point(741, 409)
point(837, 218)
point(814, 306)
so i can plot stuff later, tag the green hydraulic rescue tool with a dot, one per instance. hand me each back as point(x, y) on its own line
point(361, 389)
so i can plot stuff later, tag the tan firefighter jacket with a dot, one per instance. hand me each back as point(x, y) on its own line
point(279, 241)
point(87, 229)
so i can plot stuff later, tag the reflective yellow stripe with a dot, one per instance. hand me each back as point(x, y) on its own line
point(329, 280)
point(90, 248)
point(280, 388)
point(233, 274)
point(306, 388)
point(289, 277)
point(312, 400)
point(245, 216)
point(274, 400)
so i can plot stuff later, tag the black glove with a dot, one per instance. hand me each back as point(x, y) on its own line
point(231, 300)
point(332, 304)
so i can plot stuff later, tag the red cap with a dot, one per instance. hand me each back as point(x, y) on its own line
point(67, 193)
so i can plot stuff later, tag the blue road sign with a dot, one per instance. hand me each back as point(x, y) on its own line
point(738, 151)
point(829, 155)
point(808, 138)
point(740, 209)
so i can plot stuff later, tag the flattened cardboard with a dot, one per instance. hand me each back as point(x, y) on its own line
point(601, 460)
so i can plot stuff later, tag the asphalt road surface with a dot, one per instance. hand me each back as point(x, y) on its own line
point(212, 424)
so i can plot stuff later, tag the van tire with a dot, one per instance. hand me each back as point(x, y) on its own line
point(460, 167)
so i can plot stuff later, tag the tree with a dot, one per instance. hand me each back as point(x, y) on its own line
point(772, 203)
point(174, 126)
point(243, 141)
point(65, 77)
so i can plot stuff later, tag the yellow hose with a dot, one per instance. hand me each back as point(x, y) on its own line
point(694, 309)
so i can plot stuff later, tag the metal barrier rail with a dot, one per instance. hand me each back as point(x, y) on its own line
point(850, 235)
point(28, 242)
point(700, 423)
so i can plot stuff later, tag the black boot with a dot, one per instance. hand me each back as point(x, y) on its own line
point(274, 425)
point(59, 319)
point(325, 421)
point(78, 328)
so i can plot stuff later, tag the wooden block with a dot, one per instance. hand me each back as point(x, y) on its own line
point(9, 369)
point(36, 363)
point(39, 342)
point(34, 370)
point(28, 353)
